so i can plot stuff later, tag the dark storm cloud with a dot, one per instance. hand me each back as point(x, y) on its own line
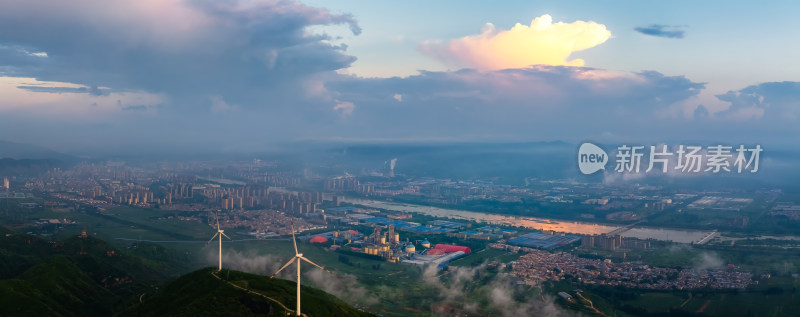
point(94, 90)
point(179, 48)
point(242, 68)
point(659, 30)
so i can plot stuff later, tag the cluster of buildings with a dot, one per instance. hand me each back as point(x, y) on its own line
point(55, 221)
point(115, 183)
point(388, 246)
point(347, 183)
point(12, 195)
point(612, 242)
point(139, 197)
point(602, 241)
point(261, 197)
point(720, 203)
point(361, 216)
point(168, 184)
point(385, 242)
point(262, 223)
point(484, 233)
point(538, 265)
point(787, 210)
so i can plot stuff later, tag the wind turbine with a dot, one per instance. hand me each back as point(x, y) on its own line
point(219, 233)
point(297, 257)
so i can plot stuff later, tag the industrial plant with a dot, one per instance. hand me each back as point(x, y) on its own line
point(388, 245)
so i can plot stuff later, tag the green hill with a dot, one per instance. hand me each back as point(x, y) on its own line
point(208, 293)
point(84, 276)
point(74, 277)
point(100, 260)
point(56, 287)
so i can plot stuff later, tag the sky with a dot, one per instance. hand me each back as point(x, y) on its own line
point(85, 76)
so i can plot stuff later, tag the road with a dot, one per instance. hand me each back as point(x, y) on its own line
point(292, 312)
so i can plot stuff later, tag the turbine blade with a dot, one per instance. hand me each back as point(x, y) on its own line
point(291, 222)
point(315, 264)
point(229, 238)
point(283, 267)
point(217, 216)
point(212, 238)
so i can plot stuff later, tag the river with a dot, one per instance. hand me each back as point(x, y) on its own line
point(576, 227)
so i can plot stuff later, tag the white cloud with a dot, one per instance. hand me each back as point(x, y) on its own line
point(345, 107)
point(219, 105)
point(541, 42)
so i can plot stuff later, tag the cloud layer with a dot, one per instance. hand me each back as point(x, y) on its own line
point(559, 101)
point(774, 101)
point(540, 43)
point(167, 68)
point(177, 47)
point(241, 75)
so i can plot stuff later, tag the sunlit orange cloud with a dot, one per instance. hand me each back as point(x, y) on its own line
point(543, 42)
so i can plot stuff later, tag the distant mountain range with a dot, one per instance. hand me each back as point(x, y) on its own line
point(501, 162)
point(21, 151)
point(19, 159)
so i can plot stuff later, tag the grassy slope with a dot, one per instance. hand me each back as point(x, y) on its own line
point(89, 277)
point(74, 277)
point(54, 287)
point(200, 293)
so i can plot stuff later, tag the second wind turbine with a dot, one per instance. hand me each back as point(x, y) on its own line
point(219, 233)
point(297, 257)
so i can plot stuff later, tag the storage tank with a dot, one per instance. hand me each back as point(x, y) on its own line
point(426, 244)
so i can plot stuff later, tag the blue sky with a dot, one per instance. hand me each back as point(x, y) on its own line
point(89, 74)
point(729, 44)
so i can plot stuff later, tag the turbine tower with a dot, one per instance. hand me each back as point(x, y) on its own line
point(219, 233)
point(297, 257)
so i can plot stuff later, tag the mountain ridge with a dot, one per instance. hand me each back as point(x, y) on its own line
point(85, 276)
